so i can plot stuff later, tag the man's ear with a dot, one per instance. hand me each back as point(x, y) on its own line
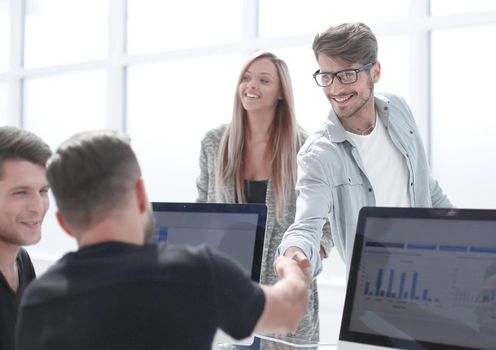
point(62, 224)
point(141, 196)
point(376, 72)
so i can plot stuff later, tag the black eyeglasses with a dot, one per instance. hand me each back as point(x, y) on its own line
point(346, 76)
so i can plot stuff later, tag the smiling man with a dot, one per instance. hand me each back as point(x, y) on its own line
point(116, 292)
point(368, 153)
point(23, 204)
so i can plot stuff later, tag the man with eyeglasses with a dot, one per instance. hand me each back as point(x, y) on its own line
point(369, 152)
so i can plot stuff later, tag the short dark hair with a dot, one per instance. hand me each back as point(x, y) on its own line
point(91, 174)
point(19, 144)
point(351, 42)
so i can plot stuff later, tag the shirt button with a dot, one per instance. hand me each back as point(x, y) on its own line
point(349, 180)
point(411, 132)
point(370, 189)
point(411, 183)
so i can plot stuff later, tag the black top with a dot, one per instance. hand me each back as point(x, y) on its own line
point(123, 296)
point(9, 300)
point(255, 191)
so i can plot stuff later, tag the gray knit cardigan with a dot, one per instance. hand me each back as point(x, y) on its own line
point(308, 328)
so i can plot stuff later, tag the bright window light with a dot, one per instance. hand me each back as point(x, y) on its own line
point(450, 7)
point(171, 105)
point(463, 122)
point(155, 26)
point(65, 31)
point(292, 17)
point(4, 35)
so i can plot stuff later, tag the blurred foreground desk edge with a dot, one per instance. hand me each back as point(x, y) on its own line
point(268, 343)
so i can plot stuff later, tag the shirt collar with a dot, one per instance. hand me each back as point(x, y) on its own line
point(338, 133)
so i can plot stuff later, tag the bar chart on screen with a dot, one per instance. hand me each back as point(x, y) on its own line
point(425, 277)
point(408, 288)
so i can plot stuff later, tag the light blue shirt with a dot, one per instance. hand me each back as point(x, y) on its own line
point(332, 181)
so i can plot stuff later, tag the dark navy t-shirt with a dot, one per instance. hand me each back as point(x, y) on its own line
point(122, 296)
point(9, 300)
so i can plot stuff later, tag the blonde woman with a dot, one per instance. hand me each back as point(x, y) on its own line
point(253, 160)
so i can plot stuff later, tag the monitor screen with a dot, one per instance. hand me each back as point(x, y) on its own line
point(235, 229)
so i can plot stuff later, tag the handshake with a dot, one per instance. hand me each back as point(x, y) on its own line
point(292, 290)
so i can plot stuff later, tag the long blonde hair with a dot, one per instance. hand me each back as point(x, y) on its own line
point(285, 141)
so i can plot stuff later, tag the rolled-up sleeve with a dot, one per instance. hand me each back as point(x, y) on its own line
point(326, 242)
point(438, 197)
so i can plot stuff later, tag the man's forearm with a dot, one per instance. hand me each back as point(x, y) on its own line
point(286, 301)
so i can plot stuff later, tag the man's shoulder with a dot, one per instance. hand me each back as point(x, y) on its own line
point(87, 271)
point(23, 256)
point(302, 136)
point(387, 100)
point(390, 97)
point(319, 142)
point(200, 261)
point(25, 267)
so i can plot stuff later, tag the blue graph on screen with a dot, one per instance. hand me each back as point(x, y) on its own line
point(443, 276)
point(407, 289)
point(162, 233)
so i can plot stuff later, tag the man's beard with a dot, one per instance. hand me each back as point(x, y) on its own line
point(14, 238)
point(360, 107)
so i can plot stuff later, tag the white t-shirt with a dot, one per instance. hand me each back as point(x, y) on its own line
point(384, 165)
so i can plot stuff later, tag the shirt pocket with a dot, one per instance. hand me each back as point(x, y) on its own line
point(349, 195)
point(349, 178)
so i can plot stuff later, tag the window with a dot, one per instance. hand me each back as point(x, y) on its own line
point(293, 17)
point(65, 31)
point(4, 35)
point(449, 7)
point(463, 122)
point(155, 26)
point(311, 105)
point(56, 107)
point(394, 56)
point(3, 103)
point(171, 105)
point(67, 102)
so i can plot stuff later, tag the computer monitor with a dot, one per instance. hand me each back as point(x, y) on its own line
point(422, 278)
point(235, 229)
